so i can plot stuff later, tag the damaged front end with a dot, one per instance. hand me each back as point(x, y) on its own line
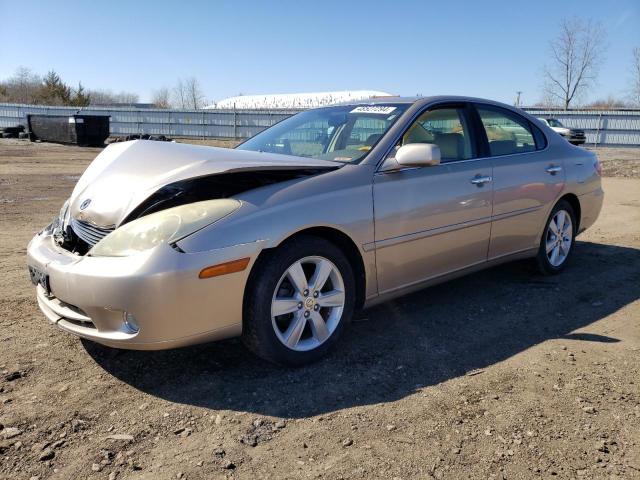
point(79, 237)
point(74, 235)
point(119, 187)
point(213, 187)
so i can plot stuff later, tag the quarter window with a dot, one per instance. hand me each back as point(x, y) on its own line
point(506, 132)
point(445, 127)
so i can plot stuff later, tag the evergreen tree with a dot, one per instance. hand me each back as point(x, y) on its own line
point(80, 98)
point(54, 91)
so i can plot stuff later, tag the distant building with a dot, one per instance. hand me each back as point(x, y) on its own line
point(295, 100)
point(124, 105)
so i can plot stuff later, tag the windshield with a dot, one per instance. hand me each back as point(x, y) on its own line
point(554, 123)
point(341, 134)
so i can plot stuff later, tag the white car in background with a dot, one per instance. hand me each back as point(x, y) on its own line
point(573, 136)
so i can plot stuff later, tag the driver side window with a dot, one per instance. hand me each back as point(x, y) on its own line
point(445, 127)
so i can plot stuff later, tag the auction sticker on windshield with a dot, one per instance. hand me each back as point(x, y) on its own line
point(373, 109)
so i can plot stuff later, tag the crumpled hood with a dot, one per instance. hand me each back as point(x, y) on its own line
point(125, 174)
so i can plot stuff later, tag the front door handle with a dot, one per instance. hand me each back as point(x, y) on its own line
point(553, 169)
point(480, 180)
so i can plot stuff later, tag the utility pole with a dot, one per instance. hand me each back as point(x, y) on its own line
point(517, 104)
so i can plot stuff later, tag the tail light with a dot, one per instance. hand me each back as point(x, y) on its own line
point(597, 166)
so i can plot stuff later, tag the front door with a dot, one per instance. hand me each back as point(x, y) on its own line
point(430, 221)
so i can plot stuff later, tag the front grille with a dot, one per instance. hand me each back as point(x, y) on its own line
point(89, 233)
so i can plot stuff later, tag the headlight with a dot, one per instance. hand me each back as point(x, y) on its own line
point(58, 224)
point(64, 211)
point(167, 226)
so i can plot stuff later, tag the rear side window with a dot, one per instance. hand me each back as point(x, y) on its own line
point(507, 132)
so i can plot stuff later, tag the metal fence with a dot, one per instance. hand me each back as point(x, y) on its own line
point(602, 127)
point(172, 123)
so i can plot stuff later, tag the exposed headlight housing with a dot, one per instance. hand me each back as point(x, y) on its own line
point(58, 225)
point(166, 226)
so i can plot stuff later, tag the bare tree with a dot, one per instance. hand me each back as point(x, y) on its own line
point(107, 97)
point(188, 94)
point(101, 97)
point(547, 100)
point(22, 87)
point(127, 97)
point(608, 103)
point(162, 98)
point(180, 95)
point(635, 79)
point(195, 95)
point(577, 52)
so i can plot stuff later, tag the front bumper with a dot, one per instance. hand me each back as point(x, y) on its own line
point(160, 288)
point(575, 137)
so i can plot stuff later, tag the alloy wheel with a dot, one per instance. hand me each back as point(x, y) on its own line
point(307, 303)
point(559, 238)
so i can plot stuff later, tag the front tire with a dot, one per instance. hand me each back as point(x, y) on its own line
point(298, 301)
point(556, 244)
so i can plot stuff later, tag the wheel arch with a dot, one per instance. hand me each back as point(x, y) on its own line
point(338, 238)
point(573, 200)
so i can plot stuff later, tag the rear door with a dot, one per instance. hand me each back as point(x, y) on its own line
point(526, 179)
point(430, 221)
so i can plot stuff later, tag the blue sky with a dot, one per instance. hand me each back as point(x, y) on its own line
point(482, 48)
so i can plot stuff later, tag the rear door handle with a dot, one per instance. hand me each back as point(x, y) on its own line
point(480, 180)
point(553, 169)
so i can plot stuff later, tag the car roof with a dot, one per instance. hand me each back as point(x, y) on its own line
point(424, 100)
point(385, 99)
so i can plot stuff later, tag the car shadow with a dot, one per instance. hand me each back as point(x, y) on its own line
point(390, 350)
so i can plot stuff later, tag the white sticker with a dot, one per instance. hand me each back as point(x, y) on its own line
point(382, 110)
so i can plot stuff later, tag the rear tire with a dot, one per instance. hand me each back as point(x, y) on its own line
point(556, 244)
point(298, 301)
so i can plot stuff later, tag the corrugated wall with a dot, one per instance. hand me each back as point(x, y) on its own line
point(602, 127)
point(605, 127)
point(174, 123)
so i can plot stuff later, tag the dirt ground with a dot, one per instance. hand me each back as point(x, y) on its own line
point(502, 374)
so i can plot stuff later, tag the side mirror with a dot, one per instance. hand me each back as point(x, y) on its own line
point(418, 155)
